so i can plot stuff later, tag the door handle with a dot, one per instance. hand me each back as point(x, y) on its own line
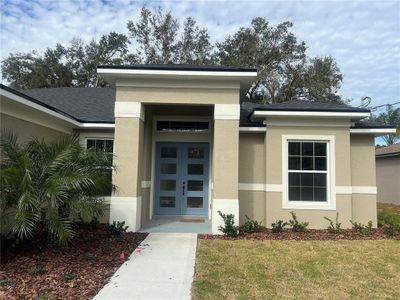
point(183, 188)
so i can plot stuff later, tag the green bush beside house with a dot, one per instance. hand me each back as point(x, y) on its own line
point(44, 187)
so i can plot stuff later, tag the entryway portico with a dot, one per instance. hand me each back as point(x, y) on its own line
point(168, 162)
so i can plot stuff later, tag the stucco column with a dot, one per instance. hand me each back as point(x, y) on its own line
point(225, 163)
point(126, 202)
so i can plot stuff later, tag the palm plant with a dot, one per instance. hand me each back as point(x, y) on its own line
point(390, 117)
point(45, 186)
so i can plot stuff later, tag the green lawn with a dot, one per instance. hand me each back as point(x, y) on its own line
point(246, 269)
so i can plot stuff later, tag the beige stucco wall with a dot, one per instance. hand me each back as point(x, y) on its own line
point(274, 210)
point(252, 171)
point(388, 179)
point(363, 174)
point(252, 158)
point(178, 95)
point(363, 160)
point(314, 217)
point(226, 159)
point(27, 130)
point(354, 166)
point(364, 208)
point(253, 205)
point(126, 149)
point(178, 91)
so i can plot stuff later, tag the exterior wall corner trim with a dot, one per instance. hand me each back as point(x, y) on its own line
point(227, 111)
point(129, 110)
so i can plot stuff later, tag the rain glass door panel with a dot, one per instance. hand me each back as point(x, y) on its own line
point(195, 178)
point(168, 177)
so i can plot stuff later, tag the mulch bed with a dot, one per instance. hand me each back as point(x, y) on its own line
point(78, 271)
point(309, 234)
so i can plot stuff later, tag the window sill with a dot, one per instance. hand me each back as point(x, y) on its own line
point(309, 206)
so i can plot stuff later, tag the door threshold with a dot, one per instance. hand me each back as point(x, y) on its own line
point(187, 220)
point(202, 217)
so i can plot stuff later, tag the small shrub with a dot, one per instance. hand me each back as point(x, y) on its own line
point(250, 226)
point(36, 270)
point(389, 222)
point(387, 218)
point(90, 257)
point(5, 282)
point(334, 227)
point(117, 228)
point(391, 230)
point(67, 276)
point(278, 226)
point(229, 228)
point(296, 225)
point(362, 229)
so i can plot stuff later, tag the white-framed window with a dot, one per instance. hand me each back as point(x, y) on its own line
point(182, 126)
point(100, 143)
point(308, 172)
point(107, 145)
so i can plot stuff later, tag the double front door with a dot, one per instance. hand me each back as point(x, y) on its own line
point(181, 182)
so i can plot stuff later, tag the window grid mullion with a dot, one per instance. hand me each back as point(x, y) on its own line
point(308, 171)
point(313, 171)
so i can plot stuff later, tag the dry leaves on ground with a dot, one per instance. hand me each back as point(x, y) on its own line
point(78, 271)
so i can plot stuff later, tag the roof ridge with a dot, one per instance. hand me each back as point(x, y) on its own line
point(67, 87)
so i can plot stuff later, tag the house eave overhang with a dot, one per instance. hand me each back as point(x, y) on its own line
point(352, 115)
point(8, 94)
point(97, 125)
point(364, 131)
point(112, 74)
point(387, 155)
point(374, 131)
point(252, 129)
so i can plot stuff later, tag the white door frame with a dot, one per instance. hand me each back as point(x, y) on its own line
point(183, 137)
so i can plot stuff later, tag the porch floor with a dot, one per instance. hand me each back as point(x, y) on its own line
point(173, 224)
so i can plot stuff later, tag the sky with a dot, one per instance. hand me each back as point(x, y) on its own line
point(363, 36)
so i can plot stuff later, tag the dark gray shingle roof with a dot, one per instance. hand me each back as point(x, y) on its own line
point(368, 124)
point(303, 105)
point(96, 105)
point(83, 104)
point(246, 109)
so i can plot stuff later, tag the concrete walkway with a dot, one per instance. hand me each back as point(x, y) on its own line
point(162, 267)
